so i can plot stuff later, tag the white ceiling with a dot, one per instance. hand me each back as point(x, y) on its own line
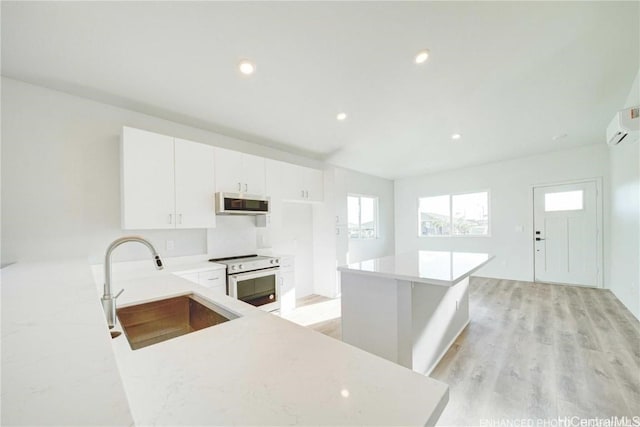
point(508, 76)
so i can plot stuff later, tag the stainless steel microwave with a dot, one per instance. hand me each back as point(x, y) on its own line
point(242, 204)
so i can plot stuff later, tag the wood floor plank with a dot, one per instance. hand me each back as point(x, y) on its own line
point(605, 397)
point(542, 391)
point(544, 319)
point(586, 335)
point(627, 376)
point(570, 370)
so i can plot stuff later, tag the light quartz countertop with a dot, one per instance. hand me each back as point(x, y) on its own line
point(58, 366)
point(430, 267)
point(146, 268)
point(256, 369)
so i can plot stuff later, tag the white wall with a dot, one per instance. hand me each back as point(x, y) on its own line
point(367, 185)
point(624, 277)
point(336, 248)
point(511, 205)
point(60, 178)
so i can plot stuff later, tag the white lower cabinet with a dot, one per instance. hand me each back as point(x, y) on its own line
point(216, 280)
point(287, 285)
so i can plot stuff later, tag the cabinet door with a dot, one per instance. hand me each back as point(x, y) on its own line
point(273, 177)
point(283, 181)
point(195, 184)
point(254, 174)
point(287, 292)
point(229, 171)
point(214, 280)
point(314, 184)
point(147, 180)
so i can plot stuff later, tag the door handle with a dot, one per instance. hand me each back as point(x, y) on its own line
point(180, 218)
point(538, 239)
point(170, 218)
point(246, 188)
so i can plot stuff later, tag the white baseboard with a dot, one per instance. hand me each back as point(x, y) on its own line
point(447, 348)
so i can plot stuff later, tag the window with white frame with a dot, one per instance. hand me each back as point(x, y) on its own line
point(362, 214)
point(454, 215)
point(564, 201)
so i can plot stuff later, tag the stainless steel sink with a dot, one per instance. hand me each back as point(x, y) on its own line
point(153, 322)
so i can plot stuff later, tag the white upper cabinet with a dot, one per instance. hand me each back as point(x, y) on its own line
point(166, 182)
point(314, 184)
point(195, 184)
point(254, 174)
point(238, 172)
point(279, 180)
point(229, 171)
point(147, 180)
point(294, 183)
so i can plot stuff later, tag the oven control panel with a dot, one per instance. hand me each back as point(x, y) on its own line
point(252, 265)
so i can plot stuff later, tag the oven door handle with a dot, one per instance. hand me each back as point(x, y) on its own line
point(253, 274)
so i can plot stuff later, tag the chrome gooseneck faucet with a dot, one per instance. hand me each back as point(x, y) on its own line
point(109, 300)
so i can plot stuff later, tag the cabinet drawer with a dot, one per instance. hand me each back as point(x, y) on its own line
point(212, 278)
point(219, 289)
point(287, 263)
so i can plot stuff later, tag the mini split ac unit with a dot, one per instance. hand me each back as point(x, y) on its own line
point(625, 126)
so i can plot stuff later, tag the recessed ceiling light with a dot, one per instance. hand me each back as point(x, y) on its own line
point(246, 67)
point(341, 116)
point(456, 136)
point(422, 56)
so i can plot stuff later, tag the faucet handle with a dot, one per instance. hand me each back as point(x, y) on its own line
point(118, 294)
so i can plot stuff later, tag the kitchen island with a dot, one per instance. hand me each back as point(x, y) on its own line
point(61, 367)
point(408, 308)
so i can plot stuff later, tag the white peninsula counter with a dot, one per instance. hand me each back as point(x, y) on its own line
point(408, 308)
point(61, 367)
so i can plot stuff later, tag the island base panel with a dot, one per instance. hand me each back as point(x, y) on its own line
point(376, 312)
point(412, 324)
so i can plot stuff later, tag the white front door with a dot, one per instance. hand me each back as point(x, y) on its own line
point(566, 234)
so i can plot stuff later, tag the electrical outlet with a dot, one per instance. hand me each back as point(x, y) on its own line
point(170, 244)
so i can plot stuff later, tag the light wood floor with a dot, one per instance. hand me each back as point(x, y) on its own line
point(536, 351)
